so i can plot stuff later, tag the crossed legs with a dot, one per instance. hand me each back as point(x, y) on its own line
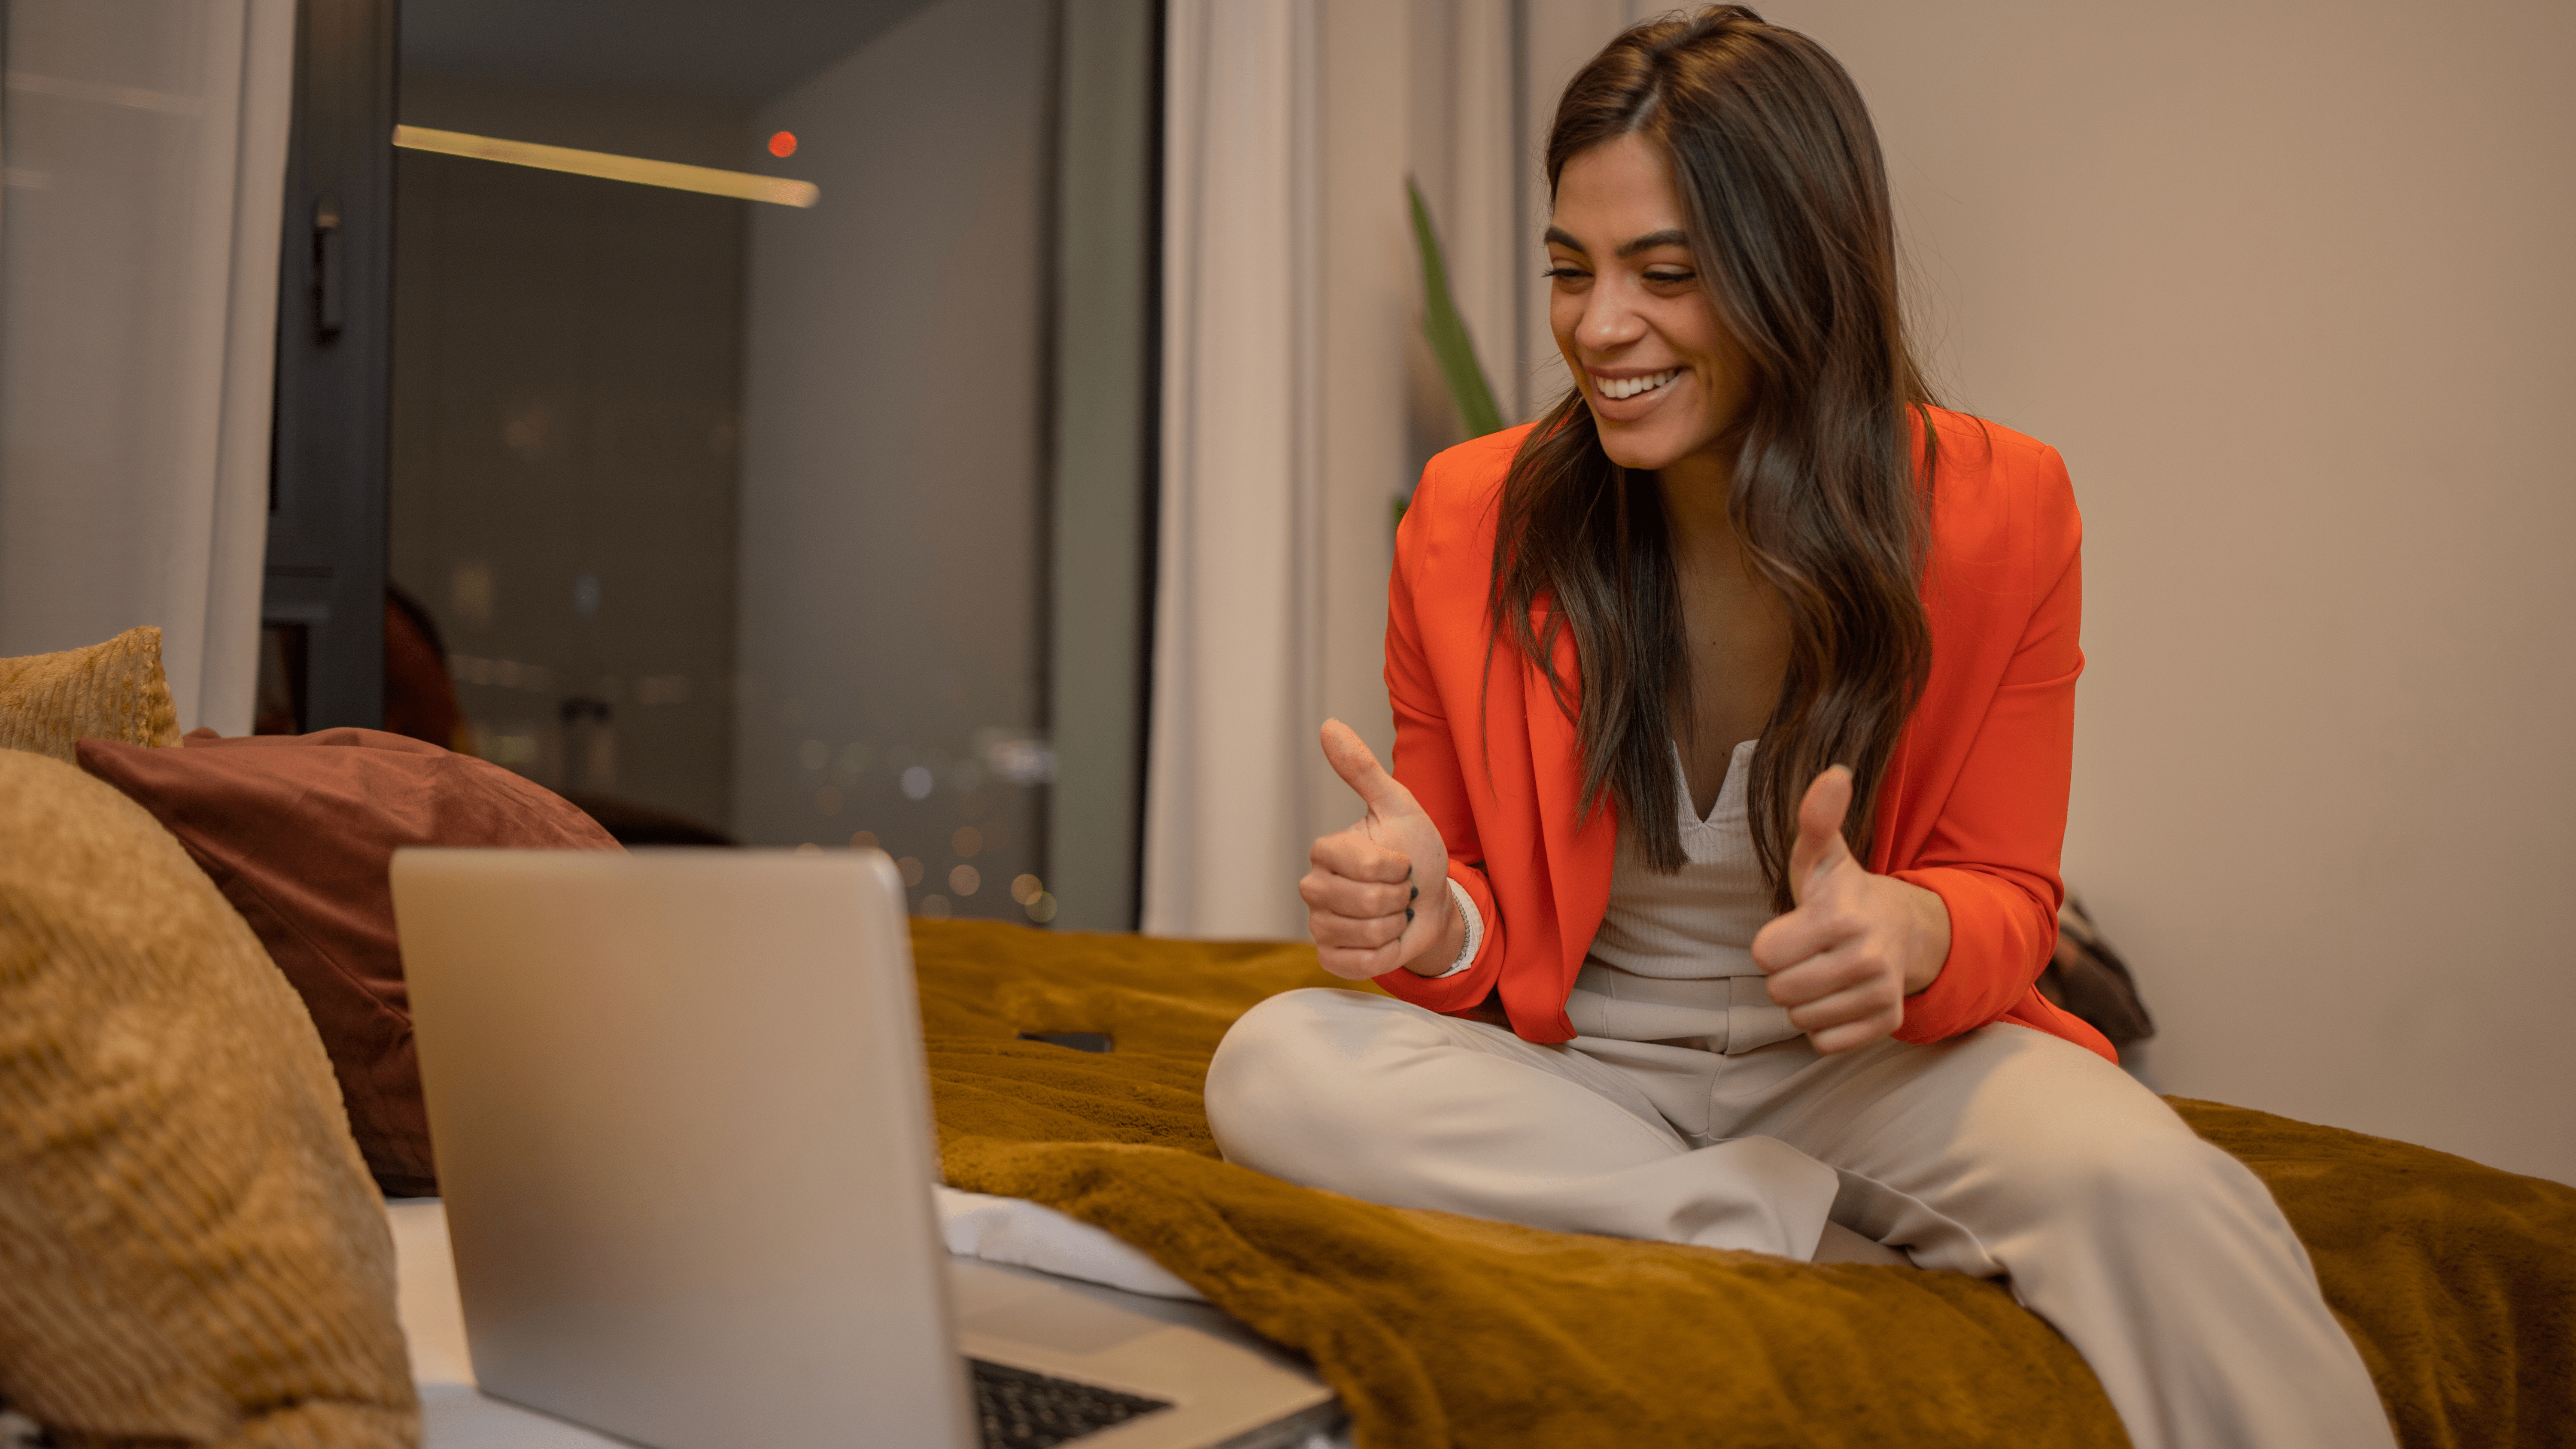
point(2004, 1152)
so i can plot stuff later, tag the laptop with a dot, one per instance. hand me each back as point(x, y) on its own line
point(682, 1121)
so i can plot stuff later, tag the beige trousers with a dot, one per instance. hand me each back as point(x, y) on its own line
point(2002, 1153)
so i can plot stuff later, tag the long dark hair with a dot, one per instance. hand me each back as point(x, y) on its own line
point(1786, 200)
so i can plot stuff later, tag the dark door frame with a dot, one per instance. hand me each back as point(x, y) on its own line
point(322, 602)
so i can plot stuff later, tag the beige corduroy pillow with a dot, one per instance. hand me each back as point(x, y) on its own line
point(190, 1250)
point(111, 691)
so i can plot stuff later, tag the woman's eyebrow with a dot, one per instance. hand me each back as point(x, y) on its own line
point(1669, 237)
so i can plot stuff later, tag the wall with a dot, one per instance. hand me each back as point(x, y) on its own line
point(567, 395)
point(2287, 285)
point(892, 555)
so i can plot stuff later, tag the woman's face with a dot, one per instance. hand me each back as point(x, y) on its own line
point(1639, 330)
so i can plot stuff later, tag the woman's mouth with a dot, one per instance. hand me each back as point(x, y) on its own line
point(1616, 388)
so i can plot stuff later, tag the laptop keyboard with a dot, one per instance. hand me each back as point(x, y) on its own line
point(1022, 1410)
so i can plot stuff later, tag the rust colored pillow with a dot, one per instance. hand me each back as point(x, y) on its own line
point(299, 831)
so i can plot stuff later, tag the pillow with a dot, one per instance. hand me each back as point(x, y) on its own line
point(110, 691)
point(190, 1250)
point(298, 832)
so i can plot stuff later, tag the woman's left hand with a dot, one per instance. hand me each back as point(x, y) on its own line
point(1856, 945)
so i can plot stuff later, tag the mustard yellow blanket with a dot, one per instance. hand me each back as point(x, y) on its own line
point(2458, 1281)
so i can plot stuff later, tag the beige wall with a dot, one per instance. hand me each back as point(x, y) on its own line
point(2288, 284)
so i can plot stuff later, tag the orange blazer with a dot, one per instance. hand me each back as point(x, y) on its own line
point(1973, 807)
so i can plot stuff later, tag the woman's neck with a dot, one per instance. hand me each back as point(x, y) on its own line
point(1695, 492)
point(1735, 630)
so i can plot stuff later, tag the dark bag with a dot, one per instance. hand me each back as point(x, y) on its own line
point(2089, 979)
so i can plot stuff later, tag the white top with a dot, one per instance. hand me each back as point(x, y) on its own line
point(1673, 960)
point(1699, 922)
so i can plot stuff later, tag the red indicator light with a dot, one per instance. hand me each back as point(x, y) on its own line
point(783, 144)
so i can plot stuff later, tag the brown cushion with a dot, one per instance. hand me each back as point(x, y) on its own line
point(110, 691)
point(298, 831)
point(189, 1249)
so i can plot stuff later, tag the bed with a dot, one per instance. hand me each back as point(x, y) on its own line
point(2458, 1281)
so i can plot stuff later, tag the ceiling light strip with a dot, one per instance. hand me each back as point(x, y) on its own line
point(671, 174)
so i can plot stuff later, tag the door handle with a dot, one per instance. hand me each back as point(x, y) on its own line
point(330, 281)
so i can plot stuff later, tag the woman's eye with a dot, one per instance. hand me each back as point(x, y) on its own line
point(1668, 279)
point(1565, 274)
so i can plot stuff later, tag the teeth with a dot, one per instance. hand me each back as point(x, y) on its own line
point(1623, 387)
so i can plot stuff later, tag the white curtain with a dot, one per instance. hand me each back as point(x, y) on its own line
point(145, 145)
point(1298, 399)
point(1234, 676)
point(1286, 304)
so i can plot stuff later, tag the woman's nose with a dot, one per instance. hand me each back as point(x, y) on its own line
point(1608, 320)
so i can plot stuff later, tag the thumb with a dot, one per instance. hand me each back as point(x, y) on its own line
point(1352, 759)
point(1820, 844)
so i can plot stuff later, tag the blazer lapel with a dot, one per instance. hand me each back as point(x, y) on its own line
point(1578, 860)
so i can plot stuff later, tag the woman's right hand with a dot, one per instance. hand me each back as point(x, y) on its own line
point(1377, 896)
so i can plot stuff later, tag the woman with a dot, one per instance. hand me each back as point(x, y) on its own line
point(1734, 703)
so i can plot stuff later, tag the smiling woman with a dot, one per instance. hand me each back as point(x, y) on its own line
point(1754, 434)
point(1734, 708)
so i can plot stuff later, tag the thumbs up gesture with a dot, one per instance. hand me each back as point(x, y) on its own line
point(1856, 945)
point(1377, 895)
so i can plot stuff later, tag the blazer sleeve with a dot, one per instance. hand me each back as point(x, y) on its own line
point(1992, 853)
point(1427, 759)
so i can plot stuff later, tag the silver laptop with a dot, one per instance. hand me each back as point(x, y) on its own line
point(683, 1132)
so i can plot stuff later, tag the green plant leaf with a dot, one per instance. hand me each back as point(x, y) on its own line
point(1447, 331)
